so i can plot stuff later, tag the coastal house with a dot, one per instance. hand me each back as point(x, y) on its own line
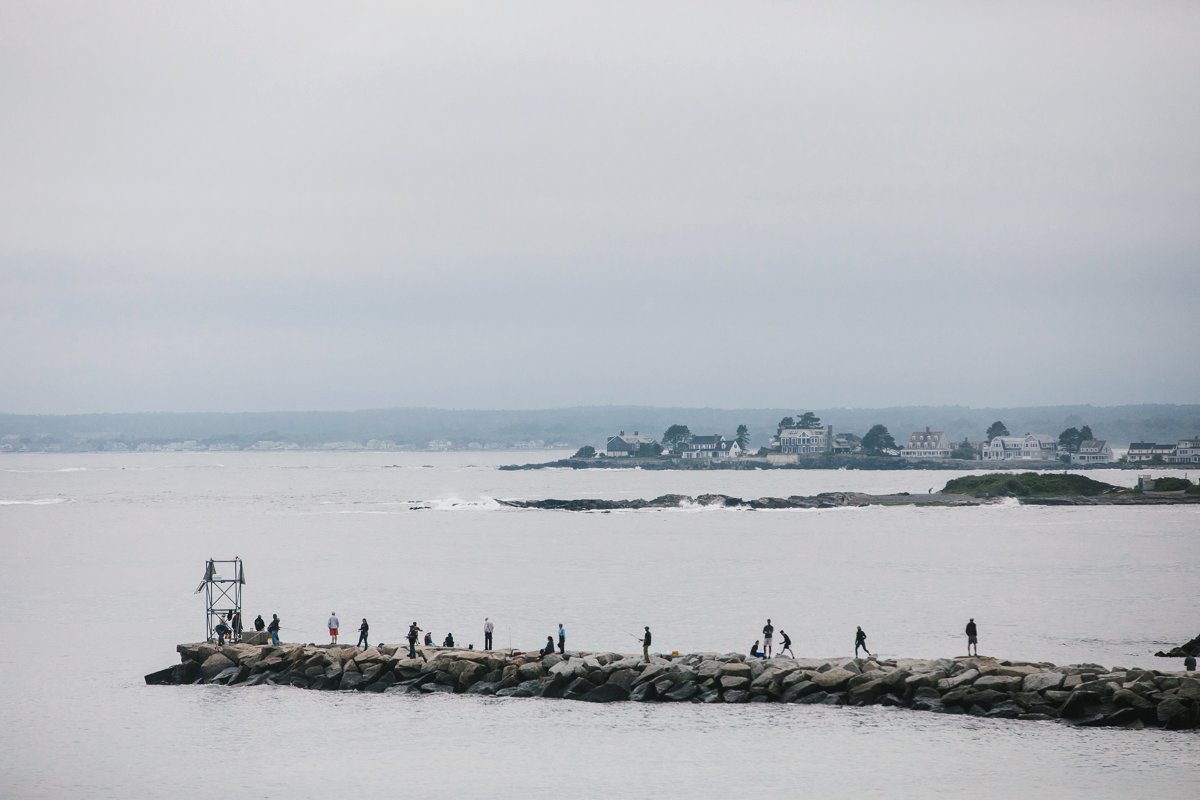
point(806, 441)
point(1144, 452)
point(625, 445)
point(1093, 451)
point(1186, 452)
point(1030, 447)
point(712, 447)
point(927, 444)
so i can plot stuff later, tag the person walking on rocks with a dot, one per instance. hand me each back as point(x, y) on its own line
point(362, 633)
point(562, 640)
point(259, 625)
point(972, 636)
point(273, 629)
point(413, 630)
point(768, 633)
point(488, 627)
point(333, 627)
point(646, 639)
point(786, 645)
point(860, 640)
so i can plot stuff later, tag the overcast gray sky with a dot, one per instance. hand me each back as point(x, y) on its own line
point(252, 206)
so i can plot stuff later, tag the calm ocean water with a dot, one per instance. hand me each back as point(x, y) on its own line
point(103, 552)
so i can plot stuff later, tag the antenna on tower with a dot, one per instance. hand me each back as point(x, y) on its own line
point(222, 586)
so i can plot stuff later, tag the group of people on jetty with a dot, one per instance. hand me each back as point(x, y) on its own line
point(762, 648)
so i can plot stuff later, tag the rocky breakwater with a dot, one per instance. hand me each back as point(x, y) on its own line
point(1085, 694)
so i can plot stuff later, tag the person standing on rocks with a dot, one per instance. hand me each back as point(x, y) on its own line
point(646, 639)
point(236, 623)
point(860, 640)
point(768, 633)
point(273, 629)
point(362, 633)
point(333, 627)
point(259, 625)
point(1189, 663)
point(786, 645)
point(488, 627)
point(972, 636)
point(413, 630)
point(562, 640)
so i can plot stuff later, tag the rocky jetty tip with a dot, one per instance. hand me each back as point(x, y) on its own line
point(1082, 694)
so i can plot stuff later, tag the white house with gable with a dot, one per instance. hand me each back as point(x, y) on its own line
point(712, 447)
point(1030, 447)
point(927, 444)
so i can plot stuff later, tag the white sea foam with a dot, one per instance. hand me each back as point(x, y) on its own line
point(42, 501)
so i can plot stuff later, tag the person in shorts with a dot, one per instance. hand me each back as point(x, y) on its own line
point(972, 636)
point(333, 627)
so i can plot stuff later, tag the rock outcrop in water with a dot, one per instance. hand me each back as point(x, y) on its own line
point(1085, 694)
point(824, 500)
point(1191, 648)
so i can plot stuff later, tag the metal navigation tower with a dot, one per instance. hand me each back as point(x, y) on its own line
point(222, 587)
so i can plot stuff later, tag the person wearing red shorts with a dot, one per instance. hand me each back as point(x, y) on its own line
point(333, 627)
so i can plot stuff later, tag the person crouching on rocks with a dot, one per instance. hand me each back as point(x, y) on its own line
point(222, 630)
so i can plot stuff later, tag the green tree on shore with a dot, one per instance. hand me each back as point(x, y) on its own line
point(743, 436)
point(675, 435)
point(809, 420)
point(587, 451)
point(997, 428)
point(877, 440)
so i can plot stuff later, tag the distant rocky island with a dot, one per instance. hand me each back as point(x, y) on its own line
point(1030, 488)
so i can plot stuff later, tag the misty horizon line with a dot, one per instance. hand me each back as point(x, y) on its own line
point(607, 406)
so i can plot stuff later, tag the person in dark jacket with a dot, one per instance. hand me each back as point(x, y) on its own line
point(860, 640)
point(449, 640)
point(972, 637)
point(754, 651)
point(362, 633)
point(413, 630)
point(428, 640)
point(1189, 663)
point(549, 648)
point(273, 629)
point(646, 645)
point(222, 630)
point(786, 645)
point(235, 622)
point(259, 625)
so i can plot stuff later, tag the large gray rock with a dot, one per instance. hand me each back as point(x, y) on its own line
point(735, 682)
point(955, 681)
point(606, 693)
point(1173, 714)
point(1040, 681)
point(682, 692)
point(736, 696)
point(214, 665)
point(833, 679)
point(351, 679)
point(1000, 683)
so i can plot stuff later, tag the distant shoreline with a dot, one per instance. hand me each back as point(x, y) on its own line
point(882, 463)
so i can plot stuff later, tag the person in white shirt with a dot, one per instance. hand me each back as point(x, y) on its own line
point(333, 627)
point(488, 627)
